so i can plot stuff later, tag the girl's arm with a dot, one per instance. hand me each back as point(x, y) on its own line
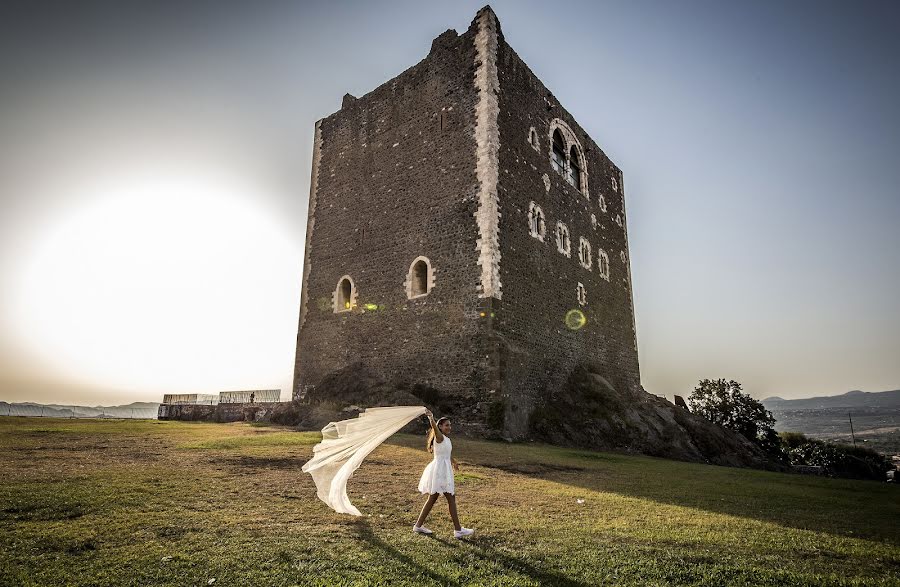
point(455, 464)
point(438, 436)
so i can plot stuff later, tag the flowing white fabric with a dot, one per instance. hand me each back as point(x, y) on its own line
point(344, 446)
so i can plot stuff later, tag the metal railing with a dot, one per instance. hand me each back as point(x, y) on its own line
point(38, 411)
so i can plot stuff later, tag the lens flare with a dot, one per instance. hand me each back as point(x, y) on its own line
point(575, 319)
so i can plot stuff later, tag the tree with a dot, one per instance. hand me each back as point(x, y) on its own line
point(722, 402)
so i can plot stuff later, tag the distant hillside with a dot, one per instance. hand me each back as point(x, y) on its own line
point(876, 418)
point(851, 399)
point(132, 410)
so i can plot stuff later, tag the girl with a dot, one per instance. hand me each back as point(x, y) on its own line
point(437, 477)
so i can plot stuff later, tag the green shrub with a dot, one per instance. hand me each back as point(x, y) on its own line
point(838, 460)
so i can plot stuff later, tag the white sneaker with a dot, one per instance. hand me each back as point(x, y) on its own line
point(422, 530)
point(462, 532)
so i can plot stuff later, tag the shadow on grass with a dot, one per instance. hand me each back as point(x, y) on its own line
point(842, 507)
point(481, 547)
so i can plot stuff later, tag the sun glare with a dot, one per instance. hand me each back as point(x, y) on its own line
point(163, 284)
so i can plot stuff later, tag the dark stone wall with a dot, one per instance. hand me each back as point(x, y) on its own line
point(539, 283)
point(216, 413)
point(396, 180)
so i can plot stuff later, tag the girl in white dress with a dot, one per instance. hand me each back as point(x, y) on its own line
point(437, 478)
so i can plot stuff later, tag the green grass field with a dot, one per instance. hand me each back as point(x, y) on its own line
point(92, 502)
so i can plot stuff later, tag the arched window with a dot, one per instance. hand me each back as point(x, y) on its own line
point(558, 153)
point(603, 263)
point(581, 294)
point(345, 295)
point(533, 139)
point(563, 245)
point(574, 175)
point(420, 278)
point(536, 226)
point(584, 253)
point(567, 156)
point(602, 203)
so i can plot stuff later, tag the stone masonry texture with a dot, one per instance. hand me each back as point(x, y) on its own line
point(438, 163)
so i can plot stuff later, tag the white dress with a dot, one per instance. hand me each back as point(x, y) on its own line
point(438, 475)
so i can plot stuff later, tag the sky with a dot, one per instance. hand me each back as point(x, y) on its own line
point(155, 161)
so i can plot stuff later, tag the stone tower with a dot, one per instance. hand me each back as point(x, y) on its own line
point(464, 232)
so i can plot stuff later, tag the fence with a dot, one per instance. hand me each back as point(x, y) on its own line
point(38, 411)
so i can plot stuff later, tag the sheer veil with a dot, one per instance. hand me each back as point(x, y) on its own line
point(344, 446)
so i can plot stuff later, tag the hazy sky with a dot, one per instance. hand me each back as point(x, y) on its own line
point(155, 158)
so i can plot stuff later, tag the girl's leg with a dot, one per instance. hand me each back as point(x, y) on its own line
point(451, 501)
point(426, 509)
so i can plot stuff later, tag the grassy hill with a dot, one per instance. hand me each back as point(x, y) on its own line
point(91, 502)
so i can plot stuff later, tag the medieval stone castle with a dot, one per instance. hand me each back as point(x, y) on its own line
point(465, 232)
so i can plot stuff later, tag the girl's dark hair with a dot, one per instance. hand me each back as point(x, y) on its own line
point(429, 444)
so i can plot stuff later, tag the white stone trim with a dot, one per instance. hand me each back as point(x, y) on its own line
point(533, 139)
point(487, 148)
point(570, 139)
point(603, 264)
point(628, 268)
point(310, 222)
point(536, 229)
point(429, 278)
point(563, 243)
point(581, 294)
point(602, 203)
point(335, 295)
point(584, 253)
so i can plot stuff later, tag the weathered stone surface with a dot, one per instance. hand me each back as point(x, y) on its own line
point(588, 412)
point(442, 162)
point(217, 413)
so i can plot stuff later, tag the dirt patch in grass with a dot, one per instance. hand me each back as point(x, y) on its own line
point(249, 462)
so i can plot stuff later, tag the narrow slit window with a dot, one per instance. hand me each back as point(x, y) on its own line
point(536, 225)
point(603, 263)
point(562, 239)
point(584, 253)
point(581, 294)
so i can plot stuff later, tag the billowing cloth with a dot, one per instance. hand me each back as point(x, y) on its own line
point(344, 446)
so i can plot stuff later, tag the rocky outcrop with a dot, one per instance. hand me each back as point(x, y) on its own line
point(590, 413)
